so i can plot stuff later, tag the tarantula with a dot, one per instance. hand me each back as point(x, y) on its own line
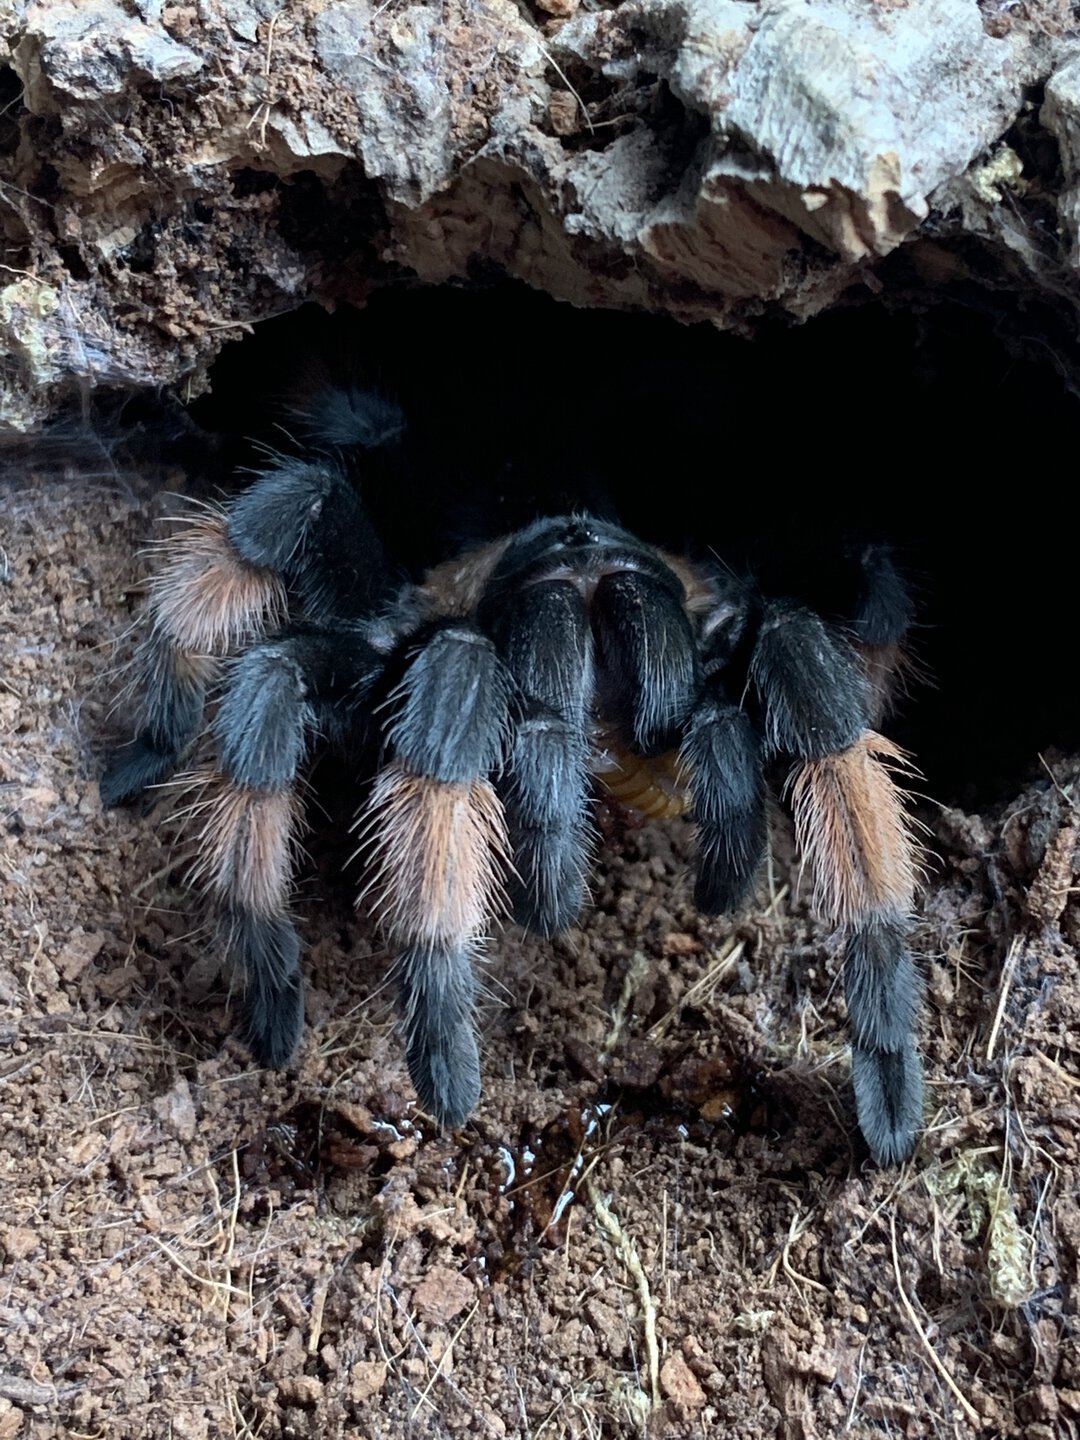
point(495, 689)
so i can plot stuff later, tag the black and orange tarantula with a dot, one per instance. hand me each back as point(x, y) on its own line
point(496, 688)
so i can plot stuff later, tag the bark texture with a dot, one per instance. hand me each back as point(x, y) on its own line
point(172, 173)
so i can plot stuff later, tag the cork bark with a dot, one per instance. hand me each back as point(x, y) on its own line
point(170, 174)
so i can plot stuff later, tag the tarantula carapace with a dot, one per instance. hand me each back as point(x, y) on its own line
point(494, 690)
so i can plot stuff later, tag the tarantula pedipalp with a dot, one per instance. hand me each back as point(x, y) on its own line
point(495, 688)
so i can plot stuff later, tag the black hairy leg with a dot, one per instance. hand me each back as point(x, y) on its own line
point(881, 621)
point(435, 837)
point(858, 843)
point(296, 542)
point(204, 601)
point(278, 696)
point(722, 754)
point(297, 539)
point(545, 642)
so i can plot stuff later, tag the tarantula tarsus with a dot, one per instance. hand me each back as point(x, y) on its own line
point(495, 688)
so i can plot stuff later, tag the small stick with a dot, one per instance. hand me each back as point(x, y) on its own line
point(965, 1404)
point(1008, 970)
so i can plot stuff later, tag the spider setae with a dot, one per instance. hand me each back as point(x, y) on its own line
point(495, 690)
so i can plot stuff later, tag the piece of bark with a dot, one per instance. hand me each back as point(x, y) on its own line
point(173, 175)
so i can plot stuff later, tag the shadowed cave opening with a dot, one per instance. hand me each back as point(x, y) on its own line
point(918, 426)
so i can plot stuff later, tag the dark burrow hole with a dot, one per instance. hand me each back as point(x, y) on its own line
point(916, 426)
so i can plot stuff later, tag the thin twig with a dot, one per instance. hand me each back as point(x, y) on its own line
point(563, 77)
point(438, 1370)
point(219, 1285)
point(1008, 971)
point(935, 1359)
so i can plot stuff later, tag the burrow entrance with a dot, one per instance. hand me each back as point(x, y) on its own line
point(920, 426)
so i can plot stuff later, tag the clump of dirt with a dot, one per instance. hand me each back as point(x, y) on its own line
point(661, 1220)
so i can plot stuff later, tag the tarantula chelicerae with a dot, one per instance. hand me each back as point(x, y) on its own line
point(495, 689)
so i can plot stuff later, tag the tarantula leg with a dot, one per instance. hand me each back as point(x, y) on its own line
point(883, 611)
point(225, 583)
point(546, 643)
point(452, 708)
point(883, 616)
point(343, 412)
point(276, 696)
point(248, 845)
point(204, 600)
point(811, 685)
point(436, 834)
point(722, 753)
point(858, 840)
point(883, 994)
point(646, 657)
point(438, 852)
point(547, 807)
point(279, 693)
point(880, 979)
point(306, 521)
point(437, 998)
point(173, 685)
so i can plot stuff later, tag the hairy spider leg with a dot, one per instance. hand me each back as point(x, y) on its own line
point(277, 696)
point(203, 601)
point(721, 753)
point(624, 660)
point(435, 834)
point(306, 523)
point(544, 638)
point(298, 534)
point(299, 529)
point(858, 842)
point(883, 616)
point(648, 672)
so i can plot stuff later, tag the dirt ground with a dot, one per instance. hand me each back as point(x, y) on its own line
point(661, 1220)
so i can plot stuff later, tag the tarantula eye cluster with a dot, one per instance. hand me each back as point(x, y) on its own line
point(494, 692)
